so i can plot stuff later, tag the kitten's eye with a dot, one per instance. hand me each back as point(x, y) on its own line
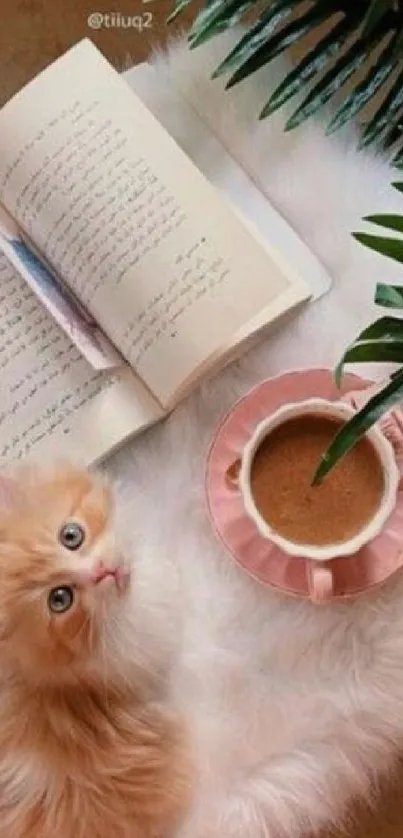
point(61, 599)
point(72, 535)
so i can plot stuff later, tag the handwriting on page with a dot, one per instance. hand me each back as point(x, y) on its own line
point(105, 220)
point(114, 209)
point(44, 380)
point(195, 274)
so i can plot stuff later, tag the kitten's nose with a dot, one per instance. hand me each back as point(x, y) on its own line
point(102, 573)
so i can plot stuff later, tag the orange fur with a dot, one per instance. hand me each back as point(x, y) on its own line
point(82, 751)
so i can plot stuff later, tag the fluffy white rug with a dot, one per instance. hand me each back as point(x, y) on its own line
point(293, 709)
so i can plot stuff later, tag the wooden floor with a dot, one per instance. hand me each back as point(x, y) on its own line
point(32, 34)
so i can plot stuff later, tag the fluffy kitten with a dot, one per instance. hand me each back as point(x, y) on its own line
point(292, 710)
point(85, 750)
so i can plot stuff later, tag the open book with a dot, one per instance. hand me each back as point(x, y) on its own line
point(158, 279)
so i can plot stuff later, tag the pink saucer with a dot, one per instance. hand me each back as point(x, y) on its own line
point(353, 575)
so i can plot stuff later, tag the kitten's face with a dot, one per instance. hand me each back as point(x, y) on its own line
point(62, 577)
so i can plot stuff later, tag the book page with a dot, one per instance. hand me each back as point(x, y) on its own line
point(59, 300)
point(52, 401)
point(169, 272)
point(208, 142)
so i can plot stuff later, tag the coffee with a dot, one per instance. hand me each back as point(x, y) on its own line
point(330, 513)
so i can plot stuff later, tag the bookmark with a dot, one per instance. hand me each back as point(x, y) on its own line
point(59, 301)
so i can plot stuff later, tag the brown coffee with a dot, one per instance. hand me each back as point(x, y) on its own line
point(281, 477)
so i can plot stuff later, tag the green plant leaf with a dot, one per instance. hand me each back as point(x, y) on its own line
point(398, 159)
point(374, 352)
point(179, 7)
point(366, 90)
point(385, 114)
point(392, 136)
point(389, 296)
point(257, 36)
point(280, 41)
point(216, 17)
point(388, 220)
point(283, 23)
point(377, 10)
point(334, 79)
point(398, 185)
point(310, 65)
point(380, 341)
point(359, 424)
point(387, 329)
point(393, 248)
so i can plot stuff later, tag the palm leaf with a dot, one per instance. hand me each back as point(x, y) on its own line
point(359, 424)
point(393, 248)
point(392, 135)
point(375, 351)
point(389, 296)
point(385, 114)
point(257, 36)
point(364, 31)
point(281, 41)
point(375, 13)
point(381, 341)
point(366, 90)
point(398, 159)
point(335, 78)
point(387, 329)
point(179, 7)
point(311, 65)
point(216, 17)
point(390, 221)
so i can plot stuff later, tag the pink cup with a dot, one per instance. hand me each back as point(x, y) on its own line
point(318, 559)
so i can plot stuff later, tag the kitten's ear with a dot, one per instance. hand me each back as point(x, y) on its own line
point(10, 491)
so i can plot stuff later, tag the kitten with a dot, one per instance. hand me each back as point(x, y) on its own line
point(273, 715)
point(85, 747)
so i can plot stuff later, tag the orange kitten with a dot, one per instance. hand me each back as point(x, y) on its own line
point(83, 752)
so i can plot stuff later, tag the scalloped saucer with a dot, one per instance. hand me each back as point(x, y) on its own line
point(353, 575)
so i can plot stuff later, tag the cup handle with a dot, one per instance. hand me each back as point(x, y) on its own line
point(320, 582)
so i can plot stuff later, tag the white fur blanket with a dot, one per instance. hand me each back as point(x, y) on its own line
point(312, 696)
point(323, 187)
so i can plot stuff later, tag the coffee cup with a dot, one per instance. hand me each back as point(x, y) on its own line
point(319, 557)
